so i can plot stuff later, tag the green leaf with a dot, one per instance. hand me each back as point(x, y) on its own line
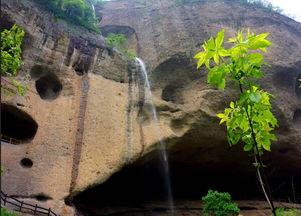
point(223, 52)
point(219, 38)
point(266, 145)
point(248, 147)
point(221, 115)
point(232, 104)
point(201, 56)
point(255, 58)
point(216, 58)
point(255, 97)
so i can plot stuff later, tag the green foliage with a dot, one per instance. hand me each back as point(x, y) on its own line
point(118, 40)
point(11, 58)
point(300, 84)
point(288, 212)
point(251, 115)
point(78, 12)
point(6, 212)
point(219, 204)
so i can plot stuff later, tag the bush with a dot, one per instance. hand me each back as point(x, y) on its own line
point(118, 40)
point(11, 60)
point(288, 212)
point(78, 12)
point(6, 212)
point(219, 204)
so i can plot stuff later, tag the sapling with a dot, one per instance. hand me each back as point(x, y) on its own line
point(249, 119)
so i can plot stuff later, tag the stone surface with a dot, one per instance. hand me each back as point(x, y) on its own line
point(98, 121)
point(169, 36)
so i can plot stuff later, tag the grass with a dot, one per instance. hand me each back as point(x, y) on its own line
point(6, 212)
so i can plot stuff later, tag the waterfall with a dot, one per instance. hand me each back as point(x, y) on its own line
point(163, 153)
point(93, 8)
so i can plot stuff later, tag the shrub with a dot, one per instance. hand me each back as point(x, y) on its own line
point(288, 212)
point(118, 40)
point(11, 60)
point(6, 212)
point(219, 204)
point(78, 12)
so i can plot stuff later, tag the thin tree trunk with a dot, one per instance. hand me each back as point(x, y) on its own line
point(266, 190)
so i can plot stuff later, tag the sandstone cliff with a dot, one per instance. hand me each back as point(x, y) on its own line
point(87, 99)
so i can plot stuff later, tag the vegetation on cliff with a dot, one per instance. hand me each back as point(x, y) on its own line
point(248, 119)
point(11, 61)
point(118, 40)
point(78, 12)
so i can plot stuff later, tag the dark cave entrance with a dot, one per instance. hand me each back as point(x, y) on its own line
point(139, 188)
point(47, 83)
point(17, 124)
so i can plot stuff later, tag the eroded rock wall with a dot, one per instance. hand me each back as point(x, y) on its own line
point(88, 99)
point(170, 34)
point(78, 98)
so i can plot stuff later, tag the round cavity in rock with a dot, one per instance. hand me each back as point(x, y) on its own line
point(42, 197)
point(26, 163)
point(170, 94)
point(116, 29)
point(297, 117)
point(16, 125)
point(49, 87)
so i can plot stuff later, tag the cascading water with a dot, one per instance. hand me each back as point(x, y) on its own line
point(164, 157)
point(93, 8)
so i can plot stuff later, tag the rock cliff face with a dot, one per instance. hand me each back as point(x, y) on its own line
point(76, 106)
point(89, 118)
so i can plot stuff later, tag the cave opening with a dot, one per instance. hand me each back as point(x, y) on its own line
point(170, 94)
point(47, 83)
point(26, 163)
point(17, 124)
point(139, 188)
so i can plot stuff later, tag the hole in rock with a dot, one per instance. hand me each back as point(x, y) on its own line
point(132, 41)
point(170, 93)
point(116, 29)
point(47, 83)
point(17, 124)
point(297, 117)
point(80, 67)
point(26, 163)
point(42, 197)
point(49, 87)
point(138, 189)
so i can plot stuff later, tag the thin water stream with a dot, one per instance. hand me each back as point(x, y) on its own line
point(162, 146)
